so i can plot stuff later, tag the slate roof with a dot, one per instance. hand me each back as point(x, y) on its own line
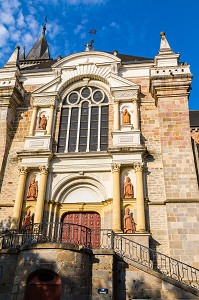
point(194, 118)
point(40, 63)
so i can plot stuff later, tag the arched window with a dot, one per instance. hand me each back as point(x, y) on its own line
point(84, 121)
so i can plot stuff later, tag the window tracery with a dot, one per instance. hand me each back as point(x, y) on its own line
point(84, 121)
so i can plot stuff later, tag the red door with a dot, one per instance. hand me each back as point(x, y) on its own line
point(43, 285)
point(91, 220)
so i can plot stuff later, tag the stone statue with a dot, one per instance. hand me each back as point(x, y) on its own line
point(129, 223)
point(42, 123)
point(126, 117)
point(32, 190)
point(27, 220)
point(128, 188)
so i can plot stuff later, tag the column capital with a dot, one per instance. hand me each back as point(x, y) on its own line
point(115, 167)
point(43, 170)
point(23, 170)
point(138, 167)
point(52, 106)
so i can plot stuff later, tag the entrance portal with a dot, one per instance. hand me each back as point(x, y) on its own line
point(91, 220)
point(43, 285)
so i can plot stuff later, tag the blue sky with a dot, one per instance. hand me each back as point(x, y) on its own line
point(130, 26)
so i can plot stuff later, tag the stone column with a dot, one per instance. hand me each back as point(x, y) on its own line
point(116, 115)
point(33, 120)
point(116, 218)
point(50, 121)
point(41, 194)
point(136, 115)
point(141, 227)
point(19, 198)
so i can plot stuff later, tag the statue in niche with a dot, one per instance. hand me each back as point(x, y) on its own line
point(129, 223)
point(128, 188)
point(32, 190)
point(27, 221)
point(42, 123)
point(126, 117)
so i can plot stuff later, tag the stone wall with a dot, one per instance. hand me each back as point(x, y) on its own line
point(134, 283)
point(83, 272)
point(71, 264)
point(183, 221)
point(102, 273)
point(8, 263)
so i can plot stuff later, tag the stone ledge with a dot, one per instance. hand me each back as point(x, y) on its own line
point(45, 246)
point(103, 251)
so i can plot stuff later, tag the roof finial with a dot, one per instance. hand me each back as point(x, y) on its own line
point(164, 45)
point(90, 46)
point(44, 27)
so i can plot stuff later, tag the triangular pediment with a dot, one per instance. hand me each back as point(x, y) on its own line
point(98, 66)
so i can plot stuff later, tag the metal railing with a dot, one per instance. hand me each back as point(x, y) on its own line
point(47, 232)
point(124, 247)
point(159, 262)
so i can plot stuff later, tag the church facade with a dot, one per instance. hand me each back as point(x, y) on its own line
point(99, 140)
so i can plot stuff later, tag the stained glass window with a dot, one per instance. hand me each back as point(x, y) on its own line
point(84, 121)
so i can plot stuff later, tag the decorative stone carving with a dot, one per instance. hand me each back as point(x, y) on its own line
point(138, 167)
point(126, 117)
point(43, 170)
point(23, 170)
point(115, 167)
point(32, 190)
point(128, 188)
point(42, 123)
point(126, 94)
point(27, 221)
point(46, 101)
point(129, 223)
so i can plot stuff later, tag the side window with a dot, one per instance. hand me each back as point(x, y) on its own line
point(84, 121)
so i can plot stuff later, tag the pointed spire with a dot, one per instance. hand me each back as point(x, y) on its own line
point(13, 61)
point(40, 49)
point(164, 45)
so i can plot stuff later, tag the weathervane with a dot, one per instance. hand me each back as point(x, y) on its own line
point(90, 46)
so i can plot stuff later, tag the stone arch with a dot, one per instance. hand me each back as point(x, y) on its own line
point(85, 80)
point(68, 186)
point(43, 284)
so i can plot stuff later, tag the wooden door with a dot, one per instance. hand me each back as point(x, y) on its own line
point(43, 285)
point(91, 220)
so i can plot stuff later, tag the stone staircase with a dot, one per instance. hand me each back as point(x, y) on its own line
point(153, 273)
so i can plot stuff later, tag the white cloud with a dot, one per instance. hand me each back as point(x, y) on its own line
point(83, 35)
point(6, 18)
point(28, 39)
point(32, 24)
point(4, 33)
point(86, 2)
point(10, 6)
point(53, 29)
point(114, 25)
point(20, 20)
point(78, 29)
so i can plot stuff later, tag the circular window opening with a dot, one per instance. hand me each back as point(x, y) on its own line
point(85, 93)
point(73, 98)
point(44, 276)
point(98, 96)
